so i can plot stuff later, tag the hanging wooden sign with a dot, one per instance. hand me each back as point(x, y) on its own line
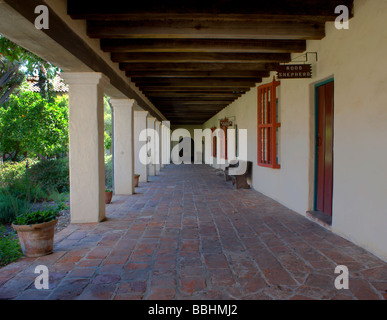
point(294, 71)
point(225, 123)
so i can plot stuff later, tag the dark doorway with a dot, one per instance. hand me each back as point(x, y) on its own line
point(324, 147)
point(186, 155)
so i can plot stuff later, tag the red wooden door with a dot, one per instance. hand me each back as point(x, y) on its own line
point(324, 155)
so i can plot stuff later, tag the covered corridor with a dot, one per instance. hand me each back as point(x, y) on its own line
point(188, 234)
point(185, 233)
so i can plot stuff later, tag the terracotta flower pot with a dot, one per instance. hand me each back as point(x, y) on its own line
point(37, 239)
point(136, 180)
point(108, 196)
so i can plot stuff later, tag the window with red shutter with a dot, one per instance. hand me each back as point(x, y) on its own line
point(268, 125)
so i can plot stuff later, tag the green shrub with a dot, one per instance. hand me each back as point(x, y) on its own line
point(109, 172)
point(15, 180)
point(11, 207)
point(11, 171)
point(32, 124)
point(26, 189)
point(9, 248)
point(19, 186)
point(51, 175)
point(58, 197)
point(39, 216)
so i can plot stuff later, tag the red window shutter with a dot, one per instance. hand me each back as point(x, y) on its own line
point(267, 125)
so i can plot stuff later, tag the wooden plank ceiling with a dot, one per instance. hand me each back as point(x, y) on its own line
point(193, 58)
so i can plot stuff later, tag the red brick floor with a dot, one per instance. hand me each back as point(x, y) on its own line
point(189, 235)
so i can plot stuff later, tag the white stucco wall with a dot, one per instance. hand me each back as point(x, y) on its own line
point(356, 58)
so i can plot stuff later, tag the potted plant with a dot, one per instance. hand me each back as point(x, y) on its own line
point(108, 195)
point(36, 231)
point(136, 179)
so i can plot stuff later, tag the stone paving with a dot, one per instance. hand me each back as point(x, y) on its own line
point(188, 234)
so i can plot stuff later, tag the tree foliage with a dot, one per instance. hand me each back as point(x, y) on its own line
point(10, 78)
point(30, 124)
point(16, 63)
point(107, 125)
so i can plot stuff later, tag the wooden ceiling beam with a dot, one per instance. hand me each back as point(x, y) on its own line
point(191, 112)
point(193, 58)
point(197, 74)
point(229, 89)
point(203, 45)
point(187, 57)
point(188, 95)
point(176, 106)
point(196, 82)
point(184, 111)
point(202, 98)
point(194, 102)
point(177, 109)
point(226, 9)
point(191, 116)
point(199, 109)
point(191, 29)
point(187, 119)
point(181, 122)
point(198, 66)
point(154, 16)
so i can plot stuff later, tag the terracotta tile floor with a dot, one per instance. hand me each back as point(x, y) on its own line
point(189, 235)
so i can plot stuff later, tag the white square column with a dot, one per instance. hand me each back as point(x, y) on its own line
point(166, 125)
point(158, 146)
point(162, 164)
point(151, 145)
point(169, 145)
point(123, 114)
point(140, 124)
point(86, 146)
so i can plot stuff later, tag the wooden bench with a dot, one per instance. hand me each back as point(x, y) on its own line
point(240, 179)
